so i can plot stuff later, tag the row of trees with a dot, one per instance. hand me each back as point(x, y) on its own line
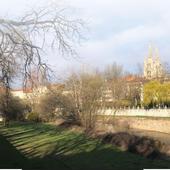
point(84, 95)
point(78, 102)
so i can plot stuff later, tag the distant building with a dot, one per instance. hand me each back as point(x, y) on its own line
point(36, 92)
point(152, 65)
point(21, 93)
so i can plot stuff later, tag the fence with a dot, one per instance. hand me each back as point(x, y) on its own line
point(137, 112)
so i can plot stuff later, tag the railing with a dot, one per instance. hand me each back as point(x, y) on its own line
point(137, 112)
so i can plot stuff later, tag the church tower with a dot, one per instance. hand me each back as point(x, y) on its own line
point(152, 65)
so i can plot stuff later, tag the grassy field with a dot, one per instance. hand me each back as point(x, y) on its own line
point(44, 146)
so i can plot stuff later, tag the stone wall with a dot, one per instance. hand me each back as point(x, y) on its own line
point(158, 125)
point(137, 112)
point(151, 120)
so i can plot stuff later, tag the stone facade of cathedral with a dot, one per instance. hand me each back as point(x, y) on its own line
point(152, 65)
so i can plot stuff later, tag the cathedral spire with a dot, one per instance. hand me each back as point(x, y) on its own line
point(157, 53)
point(152, 66)
point(150, 54)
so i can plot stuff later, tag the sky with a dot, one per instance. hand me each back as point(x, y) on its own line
point(118, 31)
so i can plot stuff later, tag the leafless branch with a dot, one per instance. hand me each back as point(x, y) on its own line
point(50, 27)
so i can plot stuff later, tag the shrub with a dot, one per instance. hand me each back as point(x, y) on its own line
point(33, 116)
point(56, 105)
point(14, 110)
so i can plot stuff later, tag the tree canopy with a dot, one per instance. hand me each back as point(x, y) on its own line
point(157, 94)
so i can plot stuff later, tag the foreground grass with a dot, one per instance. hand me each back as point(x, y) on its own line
point(43, 146)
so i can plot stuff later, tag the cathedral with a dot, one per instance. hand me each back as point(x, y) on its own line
point(152, 65)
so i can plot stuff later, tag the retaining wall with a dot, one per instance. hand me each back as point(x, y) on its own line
point(151, 120)
point(137, 112)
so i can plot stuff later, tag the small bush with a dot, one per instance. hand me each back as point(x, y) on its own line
point(33, 116)
point(12, 108)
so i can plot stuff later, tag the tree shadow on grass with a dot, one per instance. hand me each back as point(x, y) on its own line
point(10, 157)
point(47, 147)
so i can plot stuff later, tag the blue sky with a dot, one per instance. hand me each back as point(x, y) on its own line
point(119, 30)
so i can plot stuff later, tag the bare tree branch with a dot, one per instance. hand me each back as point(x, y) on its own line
point(22, 43)
point(20, 34)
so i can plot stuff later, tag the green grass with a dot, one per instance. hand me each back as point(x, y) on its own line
point(43, 146)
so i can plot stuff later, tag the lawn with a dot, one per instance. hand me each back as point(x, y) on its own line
point(44, 146)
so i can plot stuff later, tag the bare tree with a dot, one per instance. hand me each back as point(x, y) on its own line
point(115, 82)
point(17, 37)
point(114, 71)
point(139, 69)
point(20, 50)
point(166, 70)
point(86, 91)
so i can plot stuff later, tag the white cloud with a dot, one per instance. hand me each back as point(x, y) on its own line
point(140, 21)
